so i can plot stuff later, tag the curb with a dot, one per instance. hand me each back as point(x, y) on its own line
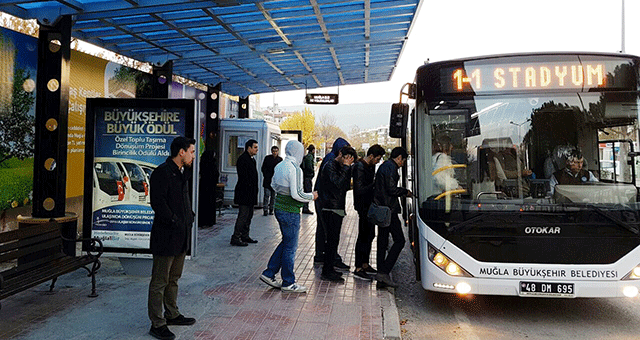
point(390, 317)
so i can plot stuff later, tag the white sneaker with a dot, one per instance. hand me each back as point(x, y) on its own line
point(271, 282)
point(294, 288)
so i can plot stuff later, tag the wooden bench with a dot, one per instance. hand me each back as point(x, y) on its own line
point(35, 255)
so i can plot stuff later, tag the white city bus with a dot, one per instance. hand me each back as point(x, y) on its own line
point(499, 223)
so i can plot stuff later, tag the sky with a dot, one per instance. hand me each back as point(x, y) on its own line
point(455, 29)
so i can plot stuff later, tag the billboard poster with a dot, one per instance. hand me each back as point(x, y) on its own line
point(18, 68)
point(126, 139)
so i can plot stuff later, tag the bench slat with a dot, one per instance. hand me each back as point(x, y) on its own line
point(54, 244)
point(27, 266)
point(27, 231)
point(27, 241)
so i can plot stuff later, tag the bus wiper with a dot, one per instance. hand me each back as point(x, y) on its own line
point(617, 221)
point(464, 225)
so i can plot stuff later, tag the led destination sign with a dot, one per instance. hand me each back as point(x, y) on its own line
point(529, 76)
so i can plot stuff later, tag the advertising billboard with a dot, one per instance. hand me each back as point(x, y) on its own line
point(126, 139)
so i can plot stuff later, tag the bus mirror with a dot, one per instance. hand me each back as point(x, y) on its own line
point(398, 121)
point(412, 91)
point(472, 127)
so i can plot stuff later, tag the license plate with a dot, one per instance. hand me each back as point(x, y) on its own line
point(556, 289)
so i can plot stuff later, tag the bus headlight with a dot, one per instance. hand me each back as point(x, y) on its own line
point(630, 291)
point(634, 274)
point(446, 264)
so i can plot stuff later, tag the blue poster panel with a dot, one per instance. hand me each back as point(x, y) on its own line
point(126, 141)
point(18, 72)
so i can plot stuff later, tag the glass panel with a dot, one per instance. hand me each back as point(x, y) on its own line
point(522, 151)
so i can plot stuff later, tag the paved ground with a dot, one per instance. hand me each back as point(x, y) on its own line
point(219, 287)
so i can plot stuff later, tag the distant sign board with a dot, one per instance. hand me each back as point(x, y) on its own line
point(321, 98)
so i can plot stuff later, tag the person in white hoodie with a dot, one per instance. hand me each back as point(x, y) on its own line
point(290, 197)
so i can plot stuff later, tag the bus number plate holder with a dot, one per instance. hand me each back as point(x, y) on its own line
point(553, 289)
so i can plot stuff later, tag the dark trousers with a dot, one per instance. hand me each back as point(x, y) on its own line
point(386, 260)
point(366, 234)
point(207, 207)
point(163, 288)
point(243, 222)
point(308, 187)
point(269, 200)
point(321, 235)
point(333, 225)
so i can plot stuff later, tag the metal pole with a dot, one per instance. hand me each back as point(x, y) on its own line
point(623, 29)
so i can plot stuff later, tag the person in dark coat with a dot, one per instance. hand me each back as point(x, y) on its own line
point(363, 176)
point(170, 236)
point(386, 193)
point(335, 179)
point(209, 175)
point(338, 144)
point(268, 164)
point(308, 167)
point(245, 194)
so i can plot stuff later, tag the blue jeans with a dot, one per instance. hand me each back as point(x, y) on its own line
point(284, 255)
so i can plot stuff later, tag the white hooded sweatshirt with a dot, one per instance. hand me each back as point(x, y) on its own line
point(287, 179)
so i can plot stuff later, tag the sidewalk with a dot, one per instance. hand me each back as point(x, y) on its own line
point(221, 289)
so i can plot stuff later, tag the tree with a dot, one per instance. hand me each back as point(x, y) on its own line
point(328, 131)
point(16, 125)
point(304, 121)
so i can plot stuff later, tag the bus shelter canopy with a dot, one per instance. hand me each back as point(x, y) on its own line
point(248, 46)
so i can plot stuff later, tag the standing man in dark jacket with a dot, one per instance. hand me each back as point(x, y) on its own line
point(170, 236)
point(209, 175)
point(338, 144)
point(363, 176)
point(308, 171)
point(335, 181)
point(246, 193)
point(268, 164)
point(386, 194)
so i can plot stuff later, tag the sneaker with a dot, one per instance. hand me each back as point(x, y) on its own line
point(367, 268)
point(307, 211)
point(181, 320)
point(339, 265)
point(271, 212)
point(162, 333)
point(265, 213)
point(385, 279)
point(238, 242)
point(294, 288)
point(271, 282)
point(248, 240)
point(362, 275)
point(333, 277)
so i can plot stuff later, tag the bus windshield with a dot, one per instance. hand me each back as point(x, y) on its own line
point(539, 152)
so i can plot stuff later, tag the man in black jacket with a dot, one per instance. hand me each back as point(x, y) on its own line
point(321, 233)
point(170, 236)
point(386, 194)
point(245, 194)
point(335, 180)
point(308, 167)
point(268, 164)
point(363, 175)
point(209, 175)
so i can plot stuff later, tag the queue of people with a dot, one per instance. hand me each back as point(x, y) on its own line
point(289, 190)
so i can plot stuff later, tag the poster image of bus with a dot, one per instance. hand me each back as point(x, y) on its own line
point(130, 139)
